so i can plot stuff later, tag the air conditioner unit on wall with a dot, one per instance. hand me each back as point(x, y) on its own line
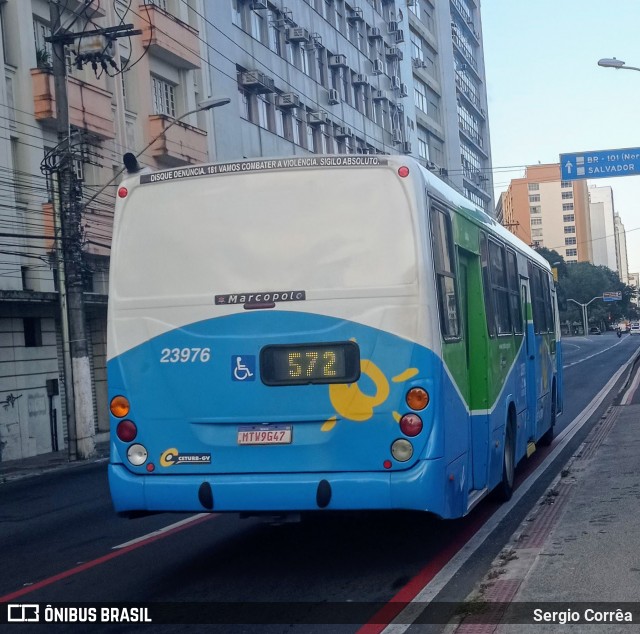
point(334, 97)
point(392, 26)
point(336, 61)
point(399, 36)
point(378, 67)
point(356, 15)
point(406, 147)
point(394, 53)
point(360, 79)
point(288, 100)
point(395, 82)
point(379, 95)
point(404, 90)
point(396, 135)
point(255, 80)
point(374, 33)
point(343, 132)
point(296, 34)
point(319, 117)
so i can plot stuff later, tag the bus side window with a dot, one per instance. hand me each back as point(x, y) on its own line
point(445, 273)
point(486, 281)
point(537, 299)
point(499, 287)
point(514, 295)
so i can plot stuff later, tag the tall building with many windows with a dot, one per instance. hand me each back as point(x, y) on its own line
point(545, 211)
point(604, 246)
point(621, 249)
point(354, 76)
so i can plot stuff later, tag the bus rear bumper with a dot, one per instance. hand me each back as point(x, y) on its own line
point(422, 488)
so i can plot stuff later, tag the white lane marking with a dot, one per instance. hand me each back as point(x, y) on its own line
point(440, 580)
point(595, 354)
point(160, 531)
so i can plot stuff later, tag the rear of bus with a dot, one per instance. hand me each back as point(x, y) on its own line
point(269, 345)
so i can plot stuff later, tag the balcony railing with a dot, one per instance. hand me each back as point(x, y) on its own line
point(89, 106)
point(169, 38)
point(178, 144)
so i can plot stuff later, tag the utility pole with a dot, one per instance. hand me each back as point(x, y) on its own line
point(97, 52)
point(78, 386)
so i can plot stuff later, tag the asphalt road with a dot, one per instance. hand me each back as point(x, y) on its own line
point(58, 533)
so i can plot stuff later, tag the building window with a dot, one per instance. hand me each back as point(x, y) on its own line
point(572, 252)
point(535, 198)
point(568, 218)
point(536, 233)
point(535, 209)
point(32, 332)
point(567, 207)
point(245, 104)
point(164, 97)
point(534, 187)
point(570, 229)
point(565, 184)
point(536, 221)
point(263, 108)
point(569, 241)
point(567, 195)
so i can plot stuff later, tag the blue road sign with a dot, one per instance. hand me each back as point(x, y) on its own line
point(601, 164)
point(611, 296)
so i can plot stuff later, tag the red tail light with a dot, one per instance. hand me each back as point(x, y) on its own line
point(126, 430)
point(411, 425)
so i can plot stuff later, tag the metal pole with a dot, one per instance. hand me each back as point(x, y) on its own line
point(70, 216)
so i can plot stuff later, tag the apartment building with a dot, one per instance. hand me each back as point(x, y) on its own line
point(110, 112)
point(356, 76)
point(304, 76)
point(621, 249)
point(545, 211)
point(604, 246)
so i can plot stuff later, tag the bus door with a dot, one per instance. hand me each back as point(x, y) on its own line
point(531, 362)
point(474, 334)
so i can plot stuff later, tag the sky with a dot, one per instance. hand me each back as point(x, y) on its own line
point(547, 95)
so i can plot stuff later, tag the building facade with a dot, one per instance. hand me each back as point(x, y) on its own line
point(304, 76)
point(357, 76)
point(113, 108)
point(621, 249)
point(545, 211)
point(604, 246)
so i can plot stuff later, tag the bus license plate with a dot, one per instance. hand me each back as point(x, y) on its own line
point(263, 435)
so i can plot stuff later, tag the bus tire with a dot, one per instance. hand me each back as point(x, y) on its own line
point(504, 490)
point(547, 438)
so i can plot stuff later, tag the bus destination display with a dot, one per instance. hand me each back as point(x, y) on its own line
point(310, 363)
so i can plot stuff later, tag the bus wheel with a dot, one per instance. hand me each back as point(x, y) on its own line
point(504, 490)
point(547, 438)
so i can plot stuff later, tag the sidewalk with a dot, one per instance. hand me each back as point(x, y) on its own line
point(580, 546)
point(44, 463)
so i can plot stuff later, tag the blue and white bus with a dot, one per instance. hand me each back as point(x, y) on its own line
point(326, 332)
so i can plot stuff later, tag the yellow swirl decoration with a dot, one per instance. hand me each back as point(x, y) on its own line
point(405, 376)
point(330, 424)
point(349, 400)
point(168, 457)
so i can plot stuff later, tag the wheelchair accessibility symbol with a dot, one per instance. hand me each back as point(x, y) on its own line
point(243, 367)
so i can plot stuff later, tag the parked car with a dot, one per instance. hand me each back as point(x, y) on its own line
point(635, 328)
point(594, 330)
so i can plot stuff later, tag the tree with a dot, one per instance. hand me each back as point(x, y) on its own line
point(584, 281)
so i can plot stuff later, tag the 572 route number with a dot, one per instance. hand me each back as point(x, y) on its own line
point(185, 355)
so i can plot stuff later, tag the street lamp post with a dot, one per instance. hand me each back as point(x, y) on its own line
point(585, 322)
point(612, 62)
